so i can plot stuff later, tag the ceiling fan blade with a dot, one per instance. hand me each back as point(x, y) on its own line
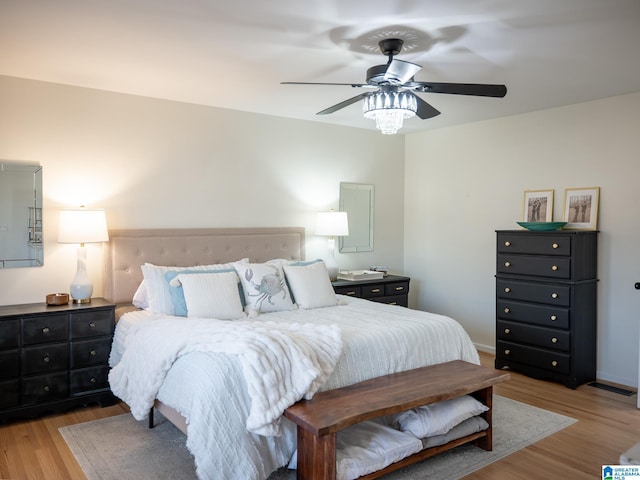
point(476, 89)
point(355, 85)
point(400, 71)
point(340, 105)
point(425, 110)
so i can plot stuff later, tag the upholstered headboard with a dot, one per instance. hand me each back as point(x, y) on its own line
point(127, 250)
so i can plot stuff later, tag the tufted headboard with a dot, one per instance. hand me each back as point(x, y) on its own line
point(127, 250)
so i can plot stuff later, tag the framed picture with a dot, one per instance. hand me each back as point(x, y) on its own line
point(538, 206)
point(581, 208)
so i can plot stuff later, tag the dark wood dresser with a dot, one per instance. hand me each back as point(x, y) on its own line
point(392, 289)
point(54, 357)
point(546, 304)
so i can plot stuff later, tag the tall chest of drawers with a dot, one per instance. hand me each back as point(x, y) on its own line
point(546, 304)
point(54, 357)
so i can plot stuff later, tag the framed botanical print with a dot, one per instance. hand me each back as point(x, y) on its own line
point(538, 206)
point(581, 208)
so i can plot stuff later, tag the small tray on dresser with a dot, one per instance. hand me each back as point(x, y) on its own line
point(354, 275)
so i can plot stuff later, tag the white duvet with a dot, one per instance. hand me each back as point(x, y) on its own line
point(210, 389)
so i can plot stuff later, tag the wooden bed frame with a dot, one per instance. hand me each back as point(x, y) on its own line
point(128, 250)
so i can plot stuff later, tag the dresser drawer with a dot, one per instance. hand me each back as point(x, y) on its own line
point(536, 336)
point(9, 333)
point(89, 379)
point(369, 291)
point(9, 394)
point(546, 316)
point(92, 324)
point(9, 364)
point(536, 357)
point(534, 292)
point(397, 288)
point(351, 291)
point(90, 352)
point(45, 358)
point(534, 244)
point(45, 328)
point(402, 300)
point(45, 388)
point(537, 266)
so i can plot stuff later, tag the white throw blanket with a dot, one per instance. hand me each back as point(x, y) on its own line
point(282, 362)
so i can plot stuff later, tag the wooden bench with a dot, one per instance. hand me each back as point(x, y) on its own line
point(320, 418)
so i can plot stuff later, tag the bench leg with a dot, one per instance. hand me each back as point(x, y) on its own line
point(485, 396)
point(316, 456)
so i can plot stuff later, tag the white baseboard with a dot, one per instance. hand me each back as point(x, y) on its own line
point(485, 348)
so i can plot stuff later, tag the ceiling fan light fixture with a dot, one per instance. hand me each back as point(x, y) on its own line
point(389, 109)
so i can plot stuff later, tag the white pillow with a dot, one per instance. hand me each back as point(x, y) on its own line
point(438, 418)
point(141, 298)
point(310, 285)
point(212, 295)
point(158, 286)
point(264, 286)
point(368, 447)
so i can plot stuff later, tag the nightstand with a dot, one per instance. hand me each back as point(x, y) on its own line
point(54, 357)
point(392, 289)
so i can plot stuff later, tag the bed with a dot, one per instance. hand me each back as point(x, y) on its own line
point(207, 375)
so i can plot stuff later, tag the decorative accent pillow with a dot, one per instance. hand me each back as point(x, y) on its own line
point(158, 286)
point(264, 286)
point(310, 285)
point(438, 418)
point(177, 292)
point(211, 295)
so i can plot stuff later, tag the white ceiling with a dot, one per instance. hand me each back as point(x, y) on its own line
point(234, 53)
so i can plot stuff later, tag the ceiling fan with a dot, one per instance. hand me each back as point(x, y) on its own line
point(395, 96)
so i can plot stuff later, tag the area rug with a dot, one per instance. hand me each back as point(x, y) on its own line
point(120, 448)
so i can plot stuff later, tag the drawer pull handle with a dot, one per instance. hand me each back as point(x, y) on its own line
point(92, 324)
point(399, 289)
point(393, 303)
point(507, 310)
point(93, 380)
point(507, 290)
point(46, 330)
point(553, 318)
point(554, 268)
point(507, 352)
point(554, 295)
point(507, 331)
point(351, 293)
point(507, 243)
point(507, 264)
point(93, 353)
point(375, 290)
point(554, 364)
point(555, 245)
point(46, 388)
point(46, 359)
point(554, 340)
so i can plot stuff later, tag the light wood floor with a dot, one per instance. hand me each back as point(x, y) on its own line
point(608, 424)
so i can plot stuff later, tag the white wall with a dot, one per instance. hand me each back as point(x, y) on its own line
point(463, 183)
point(157, 164)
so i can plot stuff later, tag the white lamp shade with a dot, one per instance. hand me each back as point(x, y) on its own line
point(332, 224)
point(83, 226)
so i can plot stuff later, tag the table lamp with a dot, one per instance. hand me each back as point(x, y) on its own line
point(332, 224)
point(82, 226)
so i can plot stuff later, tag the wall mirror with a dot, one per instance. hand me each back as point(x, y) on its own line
point(357, 200)
point(20, 215)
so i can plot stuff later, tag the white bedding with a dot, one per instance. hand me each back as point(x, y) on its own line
point(210, 391)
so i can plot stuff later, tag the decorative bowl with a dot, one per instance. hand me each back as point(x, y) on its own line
point(57, 299)
point(542, 226)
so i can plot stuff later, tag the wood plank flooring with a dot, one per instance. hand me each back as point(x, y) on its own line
point(608, 424)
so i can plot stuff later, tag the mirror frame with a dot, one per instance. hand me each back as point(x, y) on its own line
point(353, 198)
point(33, 220)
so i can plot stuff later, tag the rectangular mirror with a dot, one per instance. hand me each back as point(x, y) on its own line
point(20, 215)
point(357, 200)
